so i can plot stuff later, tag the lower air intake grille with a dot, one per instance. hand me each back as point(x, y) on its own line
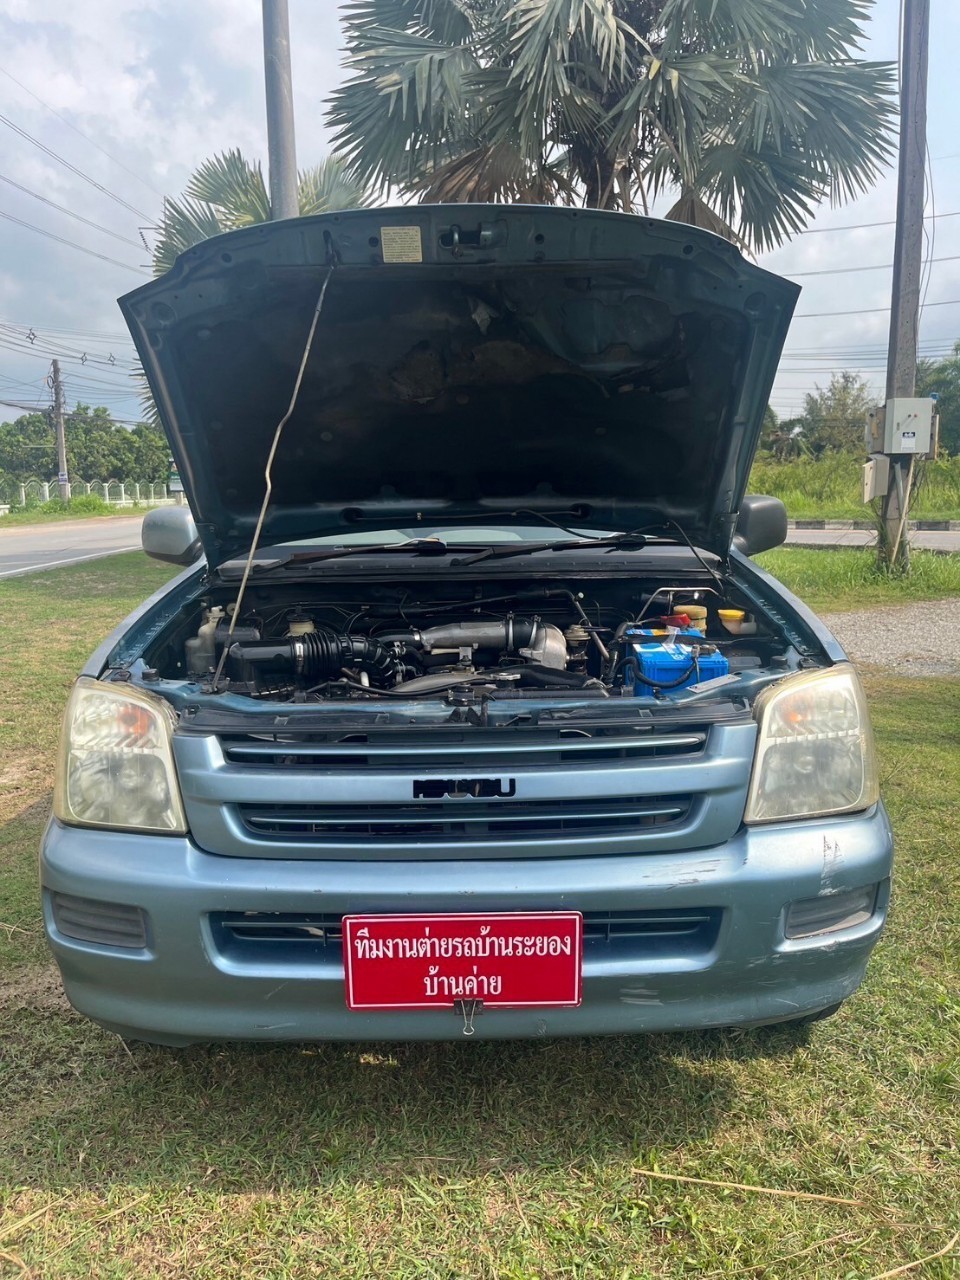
point(111, 924)
point(271, 937)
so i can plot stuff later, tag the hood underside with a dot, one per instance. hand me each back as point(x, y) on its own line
point(468, 362)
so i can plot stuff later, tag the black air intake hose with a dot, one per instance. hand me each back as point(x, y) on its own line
point(318, 655)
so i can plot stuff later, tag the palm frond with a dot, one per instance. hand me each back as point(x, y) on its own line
point(234, 186)
point(330, 185)
point(694, 211)
point(497, 173)
point(768, 29)
point(407, 93)
point(183, 223)
point(446, 21)
point(757, 110)
point(769, 192)
point(546, 42)
point(678, 97)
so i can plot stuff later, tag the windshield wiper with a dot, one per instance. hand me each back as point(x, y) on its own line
point(412, 547)
point(613, 542)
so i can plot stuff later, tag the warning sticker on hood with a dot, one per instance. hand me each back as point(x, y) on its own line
point(401, 244)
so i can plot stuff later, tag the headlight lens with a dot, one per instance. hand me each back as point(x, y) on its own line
point(116, 763)
point(815, 753)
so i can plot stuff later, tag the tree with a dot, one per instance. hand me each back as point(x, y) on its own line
point(942, 378)
point(788, 441)
point(28, 449)
point(751, 112)
point(97, 448)
point(834, 419)
point(228, 191)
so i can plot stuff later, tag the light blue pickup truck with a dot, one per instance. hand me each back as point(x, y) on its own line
point(470, 713)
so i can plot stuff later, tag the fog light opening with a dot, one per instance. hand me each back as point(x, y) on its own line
point(831, 912)
point(107, 924)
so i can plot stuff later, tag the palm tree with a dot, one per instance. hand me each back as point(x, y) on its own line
point(228, 191)
point(752, 112)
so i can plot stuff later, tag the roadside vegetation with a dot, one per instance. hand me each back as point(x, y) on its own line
point(837, 579)
point(814, 462)
point(78, 508)
point(829, 487)
point(514, 1161)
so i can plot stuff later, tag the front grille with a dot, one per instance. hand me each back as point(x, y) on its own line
point(109, 924)
point(462, 820)
point(297, 938)
point(456, 750)
point(577, 786)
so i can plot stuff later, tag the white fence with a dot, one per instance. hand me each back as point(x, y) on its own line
point(118, 493)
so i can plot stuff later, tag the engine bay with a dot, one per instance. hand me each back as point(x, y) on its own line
point(448, 639)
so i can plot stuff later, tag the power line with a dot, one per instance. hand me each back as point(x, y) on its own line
point(866, 311)
point(90, 362)
point(73, 168)
point(72, 243)
point(45, 353)
point(30, 408)
point(70, 125)
point(27, 333)
point(70, 213)
point(880, 266)
point(862, 226)
point(83, 333)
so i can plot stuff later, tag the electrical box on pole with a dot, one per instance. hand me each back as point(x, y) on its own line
point(904, 425)
point(876, 477)
point(910, 426)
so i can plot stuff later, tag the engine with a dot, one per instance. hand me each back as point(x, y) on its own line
point(643, 641)
point(408, 661)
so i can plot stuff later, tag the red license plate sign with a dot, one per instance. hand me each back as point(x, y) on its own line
point(507, 960)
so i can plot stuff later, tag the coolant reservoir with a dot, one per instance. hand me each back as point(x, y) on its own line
point(201, 649)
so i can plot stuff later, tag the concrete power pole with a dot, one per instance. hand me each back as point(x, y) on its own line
point(893, 544)
point(281, 145)
point(59, 427)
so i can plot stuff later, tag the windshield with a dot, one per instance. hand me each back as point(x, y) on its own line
point(469, 534)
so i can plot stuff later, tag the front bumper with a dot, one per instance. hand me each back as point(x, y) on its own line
point(182, 987)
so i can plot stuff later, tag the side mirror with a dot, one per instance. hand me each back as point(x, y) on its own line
point(761, 524)
point(169, 533)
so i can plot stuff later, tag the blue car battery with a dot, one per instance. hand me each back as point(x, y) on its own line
point(671, 666)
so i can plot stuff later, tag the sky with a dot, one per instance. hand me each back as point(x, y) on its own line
point(133, 94)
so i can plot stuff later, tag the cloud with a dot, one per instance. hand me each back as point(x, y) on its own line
point(162, 84)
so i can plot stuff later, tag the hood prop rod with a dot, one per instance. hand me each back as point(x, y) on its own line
point(268, 475)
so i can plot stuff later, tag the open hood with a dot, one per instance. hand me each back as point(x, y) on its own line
point(469, 361)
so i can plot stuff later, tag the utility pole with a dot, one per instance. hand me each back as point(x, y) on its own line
point(58, 426)
point(893, 544)
point(281, 146)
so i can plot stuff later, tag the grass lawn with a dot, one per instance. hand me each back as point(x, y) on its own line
point(515, 1161)
point(830, 487)
point(33, 515)
point(835, 579)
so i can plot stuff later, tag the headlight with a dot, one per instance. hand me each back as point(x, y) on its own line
point(815, 753)
point(116, 763)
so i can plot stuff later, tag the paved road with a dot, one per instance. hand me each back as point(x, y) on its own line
point(27, 548)
point(922, 539)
